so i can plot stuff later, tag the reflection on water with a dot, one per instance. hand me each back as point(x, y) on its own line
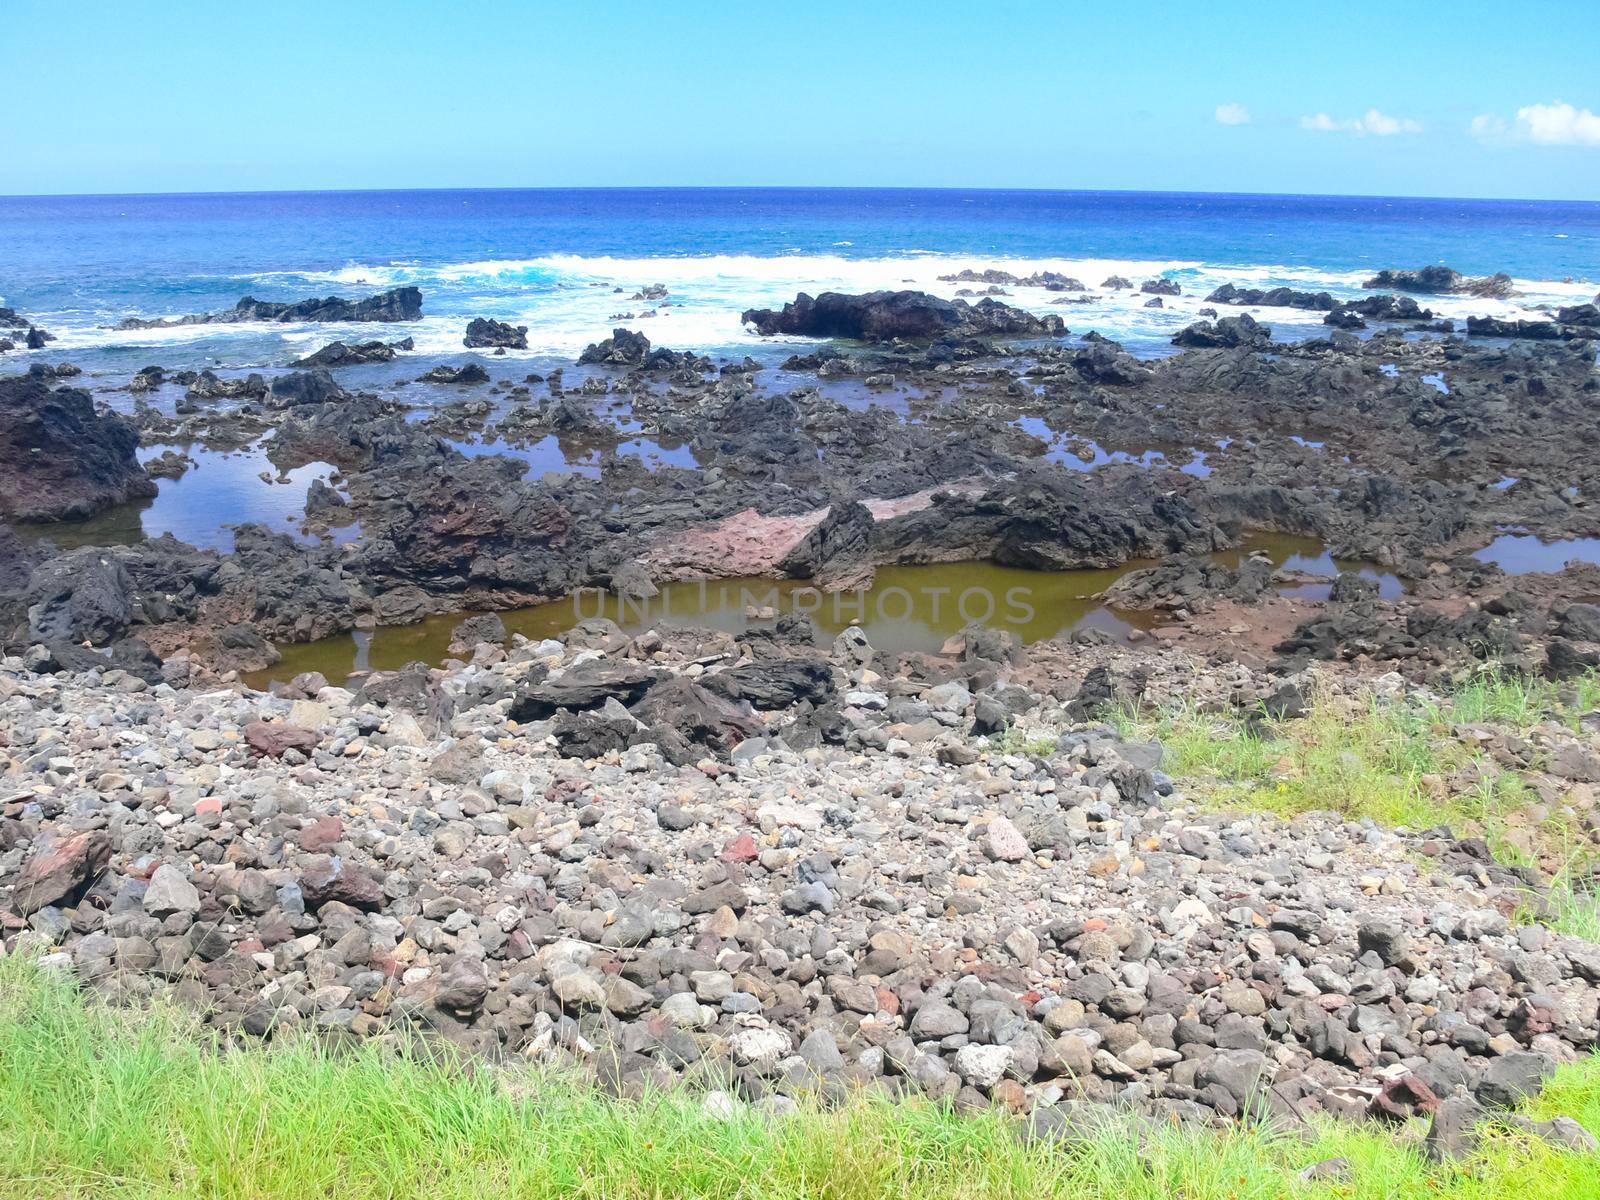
point(1307, 555)
point(221, 489)
point(1521, 553)
point(907, 608)
point(553, 455)
point(1084, 454)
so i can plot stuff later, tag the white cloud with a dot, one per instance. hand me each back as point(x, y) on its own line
point(1232, 114)
point(1374, 122)
point(1488, 127)
point(1554, 124)
point(1559, 124)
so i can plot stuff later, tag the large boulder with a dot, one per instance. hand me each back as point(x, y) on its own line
point(837, 554)
point(486, 332)
point(1437, 280)
point(624, 348)
point(342, 354)
point(685, 716)
point(1278, 297)
point(588, 685)
point(1227, 333)
point(59, 458)
point(885, 316)
point(304, 387)
point(60, 868)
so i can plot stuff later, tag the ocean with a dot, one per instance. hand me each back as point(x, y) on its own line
point(568, 263)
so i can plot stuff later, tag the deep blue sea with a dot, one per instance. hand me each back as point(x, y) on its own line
point(567, 263)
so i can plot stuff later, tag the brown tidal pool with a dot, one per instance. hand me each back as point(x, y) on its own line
point(906, 608)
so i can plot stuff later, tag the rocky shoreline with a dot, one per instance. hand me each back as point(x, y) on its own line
point(676, 851)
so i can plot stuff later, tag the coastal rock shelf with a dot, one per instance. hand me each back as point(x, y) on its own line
point(898, 684)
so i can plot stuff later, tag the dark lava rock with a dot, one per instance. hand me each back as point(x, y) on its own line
point(1510, 1078)
point(885, 316)
point(397, 304)
point(1377, 308)
point(471, 373)
point(588, 685)
point(1278, 297)
point(1193, 582)
point(486, 332)
point(1160, 287)
point(340, 354)
point(837, 554)
point(1227, 333)
point(1547, 331)
point(624, 348)
point(59, 458)
point(684, 715)
point(81, 596)
point(776, 683)
point(304, 387)
point(1439, 280)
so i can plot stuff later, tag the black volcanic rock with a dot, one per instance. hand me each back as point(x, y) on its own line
point(837, 554)
point(341, 354)
point(1226, 333)
point(303, 387)
point(1436, 280)
point(885, 316)
point(397, 304)
point(59, 458)
point(1377, 308)
point(1495, 327)
point(624, 348)
point(1278, 297)
point(484, 332)
point(470, 373)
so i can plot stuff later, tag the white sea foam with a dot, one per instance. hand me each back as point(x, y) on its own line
point(568, 300)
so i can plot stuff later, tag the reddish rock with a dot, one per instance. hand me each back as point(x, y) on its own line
point(1404, 1098)
point(59, 869)
point(273, 741)
point(742, 849)
point(328, 879)
point(209, 807)
point(321, 835)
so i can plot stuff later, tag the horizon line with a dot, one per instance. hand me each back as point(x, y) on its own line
point(783, 187)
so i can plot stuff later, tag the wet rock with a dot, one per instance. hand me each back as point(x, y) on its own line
point(886, 316)
point(397, 304)
point(1434, 279)
point(487, 332)
point(342, 354)
point(304, 387)
point(469, 373)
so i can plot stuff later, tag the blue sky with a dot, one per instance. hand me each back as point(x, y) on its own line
point(1465, 99)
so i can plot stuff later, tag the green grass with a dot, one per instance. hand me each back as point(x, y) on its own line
point(113, 1104)
point(1400, 763)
